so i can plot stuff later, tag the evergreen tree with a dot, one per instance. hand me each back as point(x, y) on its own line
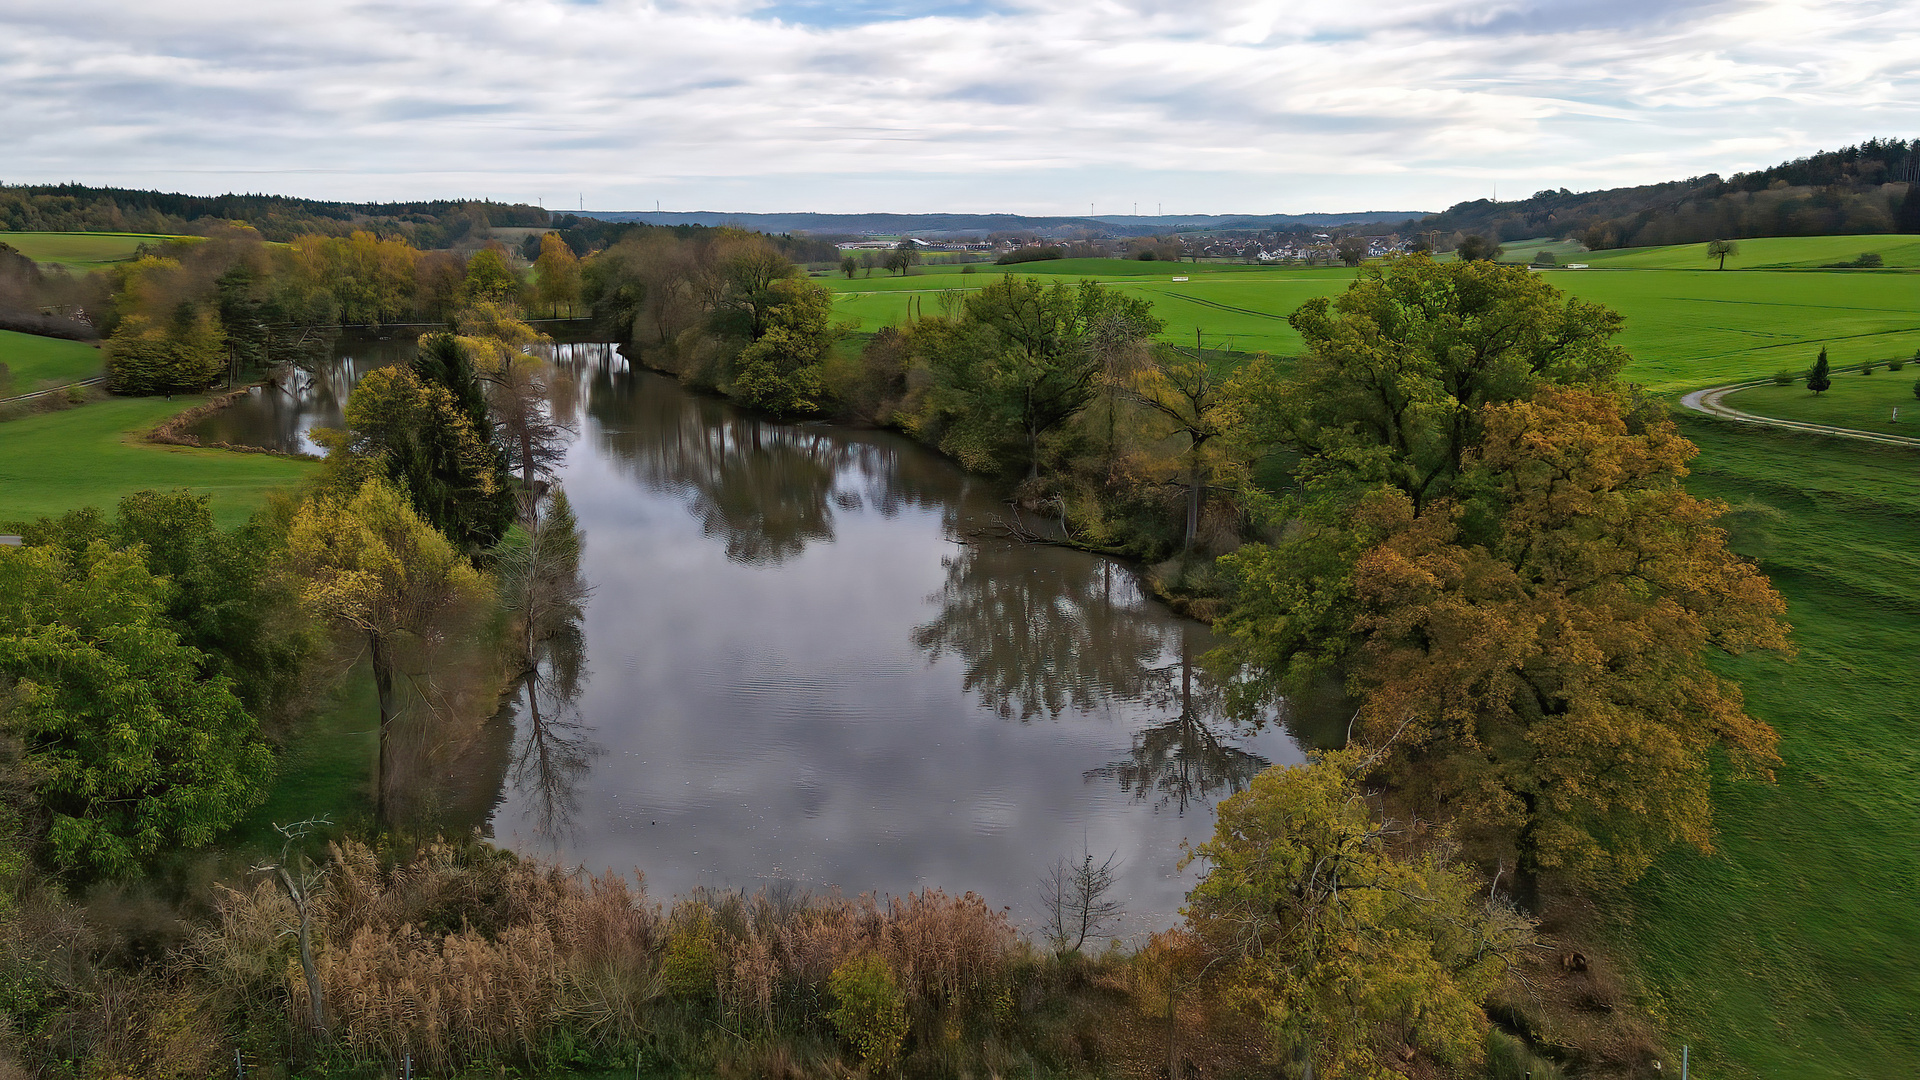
point(1906, 217)
point(1817, 380)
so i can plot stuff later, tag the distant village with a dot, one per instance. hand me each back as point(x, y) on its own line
point(1250, 247)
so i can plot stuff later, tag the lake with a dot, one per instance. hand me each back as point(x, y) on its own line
point(813, 655)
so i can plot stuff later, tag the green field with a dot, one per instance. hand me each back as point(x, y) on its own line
point(1863, 402)
point(1683, 329)
point(1766, 253)
point(1794, 950)
point(81, 251)
point(90, 456)
point(1699, 328)
point(1233, 306)
point(35, 361)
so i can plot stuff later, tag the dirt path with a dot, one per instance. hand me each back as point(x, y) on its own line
point(1709, 402)
point(54, 389)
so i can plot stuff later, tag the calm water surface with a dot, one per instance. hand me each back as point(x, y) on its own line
point(807, 658)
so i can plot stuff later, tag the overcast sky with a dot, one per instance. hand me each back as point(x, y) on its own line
point(1029, 106)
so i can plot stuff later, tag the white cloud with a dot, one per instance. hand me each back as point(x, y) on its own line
point(1039, 105)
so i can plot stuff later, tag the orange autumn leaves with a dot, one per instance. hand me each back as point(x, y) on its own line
point(1535, 646)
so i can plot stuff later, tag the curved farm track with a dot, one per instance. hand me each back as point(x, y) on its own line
point(1709, 401)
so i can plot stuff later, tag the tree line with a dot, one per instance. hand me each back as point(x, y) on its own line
point(81, 208)
point(1867, 188)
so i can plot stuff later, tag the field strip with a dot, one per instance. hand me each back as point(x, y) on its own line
point(1709, 401)
point(96, 380)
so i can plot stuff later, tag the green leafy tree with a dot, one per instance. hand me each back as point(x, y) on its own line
point(780, 371)
point(489, 279)
point(184, 355)
point(374, 567)
point(1347, 947)
point(1819, 379)
point(1477, 248)
point(1019, 361)
point(221, 594)
point(849, 266)
point(134, 753)
point(558, 275)
point(1400, 366)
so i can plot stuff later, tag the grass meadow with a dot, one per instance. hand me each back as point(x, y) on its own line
point(1863, 402)
point(34, 361)
point(1794, 949)
point(92, 455)
point(1765, 253)
point(80, 251)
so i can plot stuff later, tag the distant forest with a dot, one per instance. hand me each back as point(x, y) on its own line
point(78, 208)
point(1867, 188)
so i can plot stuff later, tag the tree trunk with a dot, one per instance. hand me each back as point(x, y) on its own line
point(316, 994)
point(383, 685)
point(1193, 500)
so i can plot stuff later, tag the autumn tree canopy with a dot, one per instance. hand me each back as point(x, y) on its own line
point(1494, 548)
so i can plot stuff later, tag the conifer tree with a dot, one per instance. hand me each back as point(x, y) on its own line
point(1817, 380)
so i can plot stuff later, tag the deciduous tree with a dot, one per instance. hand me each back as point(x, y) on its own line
point(1720, 249)
point(374, 567)
point(558, 274)
point(1348, 947)
point(133, 751)
point(1545, 667)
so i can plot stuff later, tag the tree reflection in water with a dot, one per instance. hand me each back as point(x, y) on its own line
point(765, 489)
point(1183, 760)
point(552, 746)
point(1038, 635)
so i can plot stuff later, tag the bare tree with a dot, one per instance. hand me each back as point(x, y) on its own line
point(300, 877)
point(1074, 899)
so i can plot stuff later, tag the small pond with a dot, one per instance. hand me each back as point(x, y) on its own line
point(810, 656)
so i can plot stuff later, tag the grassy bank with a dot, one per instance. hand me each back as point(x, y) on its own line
point(1795, 949)
point(91, 456)
point(34, 361)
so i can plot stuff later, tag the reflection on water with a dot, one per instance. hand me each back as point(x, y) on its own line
point(807, 664)
point(282, 414)
point(553, 745)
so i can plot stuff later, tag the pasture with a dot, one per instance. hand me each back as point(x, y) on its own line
point(1863, 402)
point(1244, 309)
point(1794, 949)
point(90, 456)
point(1684, 329)
point(82, 251)
point(34, 361)
point(1765, 253)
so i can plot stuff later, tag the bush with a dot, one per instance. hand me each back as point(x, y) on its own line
point(967, 269)
point(1866, 368)
point(869, 1010)
point(1510, 1059)
point(1916, 388)
point(1869, 260)
point(1783, 378)
point(1896, 364)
